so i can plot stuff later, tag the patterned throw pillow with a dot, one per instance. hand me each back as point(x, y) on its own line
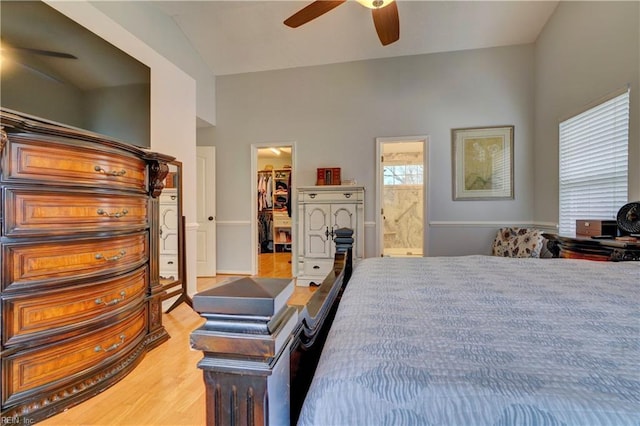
point(518, 242)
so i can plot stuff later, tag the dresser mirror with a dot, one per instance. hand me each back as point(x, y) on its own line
point(171, 239)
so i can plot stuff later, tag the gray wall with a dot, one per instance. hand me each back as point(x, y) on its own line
point(31, 92)
point(145, 21)
point(586, 51)
point(122, 112)
point(335, 112)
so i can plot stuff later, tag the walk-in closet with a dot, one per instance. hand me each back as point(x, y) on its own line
point(274, 210)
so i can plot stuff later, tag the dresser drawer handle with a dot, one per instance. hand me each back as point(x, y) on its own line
point(112, 347)
point(113, 258)
point(316, 267)
point(119, 214)
point(312, 196)
point(99, 301)
point(111, 173)
point(347, 194)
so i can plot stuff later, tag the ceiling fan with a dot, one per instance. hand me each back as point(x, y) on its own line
point(384, 12)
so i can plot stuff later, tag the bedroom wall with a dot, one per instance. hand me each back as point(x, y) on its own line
point(173, 106)
point(145, 21)
point(334, 114)
point(126, 105)
point(586, 51)
point(62, 102)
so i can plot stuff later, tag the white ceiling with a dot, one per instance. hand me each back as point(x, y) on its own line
point(246, 36)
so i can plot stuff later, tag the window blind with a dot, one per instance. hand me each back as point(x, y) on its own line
point(594, 163)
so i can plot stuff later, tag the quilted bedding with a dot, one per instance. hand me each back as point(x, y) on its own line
point(480, 340)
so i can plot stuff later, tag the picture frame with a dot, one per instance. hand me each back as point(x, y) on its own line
point(483, 163)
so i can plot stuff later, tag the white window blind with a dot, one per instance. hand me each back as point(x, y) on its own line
point(594, 162)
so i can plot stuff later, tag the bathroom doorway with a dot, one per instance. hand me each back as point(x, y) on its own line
point(402, 179)
point(273, 221)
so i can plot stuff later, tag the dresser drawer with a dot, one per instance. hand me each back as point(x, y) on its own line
point(51, 263)
point(49, 160)
point(339, 196)
point(60, 314)
point(168, 265)
point(169, 196)
point(35, 212)
point(63, 362)
point(319, 267)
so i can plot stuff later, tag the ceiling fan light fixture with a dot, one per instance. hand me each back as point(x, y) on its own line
point(375, 4)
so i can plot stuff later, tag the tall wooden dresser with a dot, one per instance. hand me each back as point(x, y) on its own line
point(80, 293)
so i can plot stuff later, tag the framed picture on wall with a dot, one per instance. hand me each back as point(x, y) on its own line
point(482, 163)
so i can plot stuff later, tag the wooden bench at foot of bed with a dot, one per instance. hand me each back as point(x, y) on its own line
point(259, 352)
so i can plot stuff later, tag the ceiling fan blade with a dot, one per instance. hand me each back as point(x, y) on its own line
point(387, 23)
point(45, 52)
point(311, 12)
point(40, 73)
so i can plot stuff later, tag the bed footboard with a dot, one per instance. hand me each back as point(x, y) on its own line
point(259, 351)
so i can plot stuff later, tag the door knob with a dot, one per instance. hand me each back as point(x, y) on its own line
point(210, 217)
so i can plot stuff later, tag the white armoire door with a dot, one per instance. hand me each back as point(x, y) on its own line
point(343, 216)
point(320, 223)
point(317, 226)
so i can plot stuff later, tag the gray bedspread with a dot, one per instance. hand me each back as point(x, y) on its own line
point(479, 340)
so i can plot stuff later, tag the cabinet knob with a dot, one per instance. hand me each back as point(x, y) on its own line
point(210, 218)
point(347, 195)
point(312, 196)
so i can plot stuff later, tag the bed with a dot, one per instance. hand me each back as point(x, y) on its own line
point(482, 340)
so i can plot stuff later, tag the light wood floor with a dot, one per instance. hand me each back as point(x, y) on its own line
point(167, 388)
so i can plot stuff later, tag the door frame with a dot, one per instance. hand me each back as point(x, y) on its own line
point(254, 198)
point(379, 187)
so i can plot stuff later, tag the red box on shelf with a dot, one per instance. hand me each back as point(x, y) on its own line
point(328, 176)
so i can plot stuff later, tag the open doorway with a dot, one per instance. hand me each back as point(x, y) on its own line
point(273, 229)
point(401, 197)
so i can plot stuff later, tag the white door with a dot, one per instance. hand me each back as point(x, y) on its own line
point(206, 217)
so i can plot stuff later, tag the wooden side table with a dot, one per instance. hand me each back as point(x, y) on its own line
point(593, 249)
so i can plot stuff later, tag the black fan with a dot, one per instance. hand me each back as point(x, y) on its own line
point(629, 218)
point(41, 52)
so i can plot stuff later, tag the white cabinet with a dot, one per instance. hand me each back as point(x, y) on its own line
point(169, 233)
point(322, 210)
